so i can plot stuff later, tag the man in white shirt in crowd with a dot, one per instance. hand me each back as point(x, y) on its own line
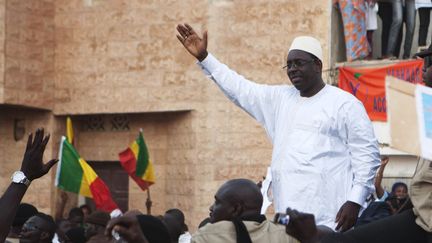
point(325, 153)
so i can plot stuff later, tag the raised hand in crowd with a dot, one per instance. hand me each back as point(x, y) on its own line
point(193, 43)
point(32, 167)
point(379, 176)
point(302, 226)
point(127, 227)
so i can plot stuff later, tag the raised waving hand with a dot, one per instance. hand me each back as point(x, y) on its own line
point(193, 43)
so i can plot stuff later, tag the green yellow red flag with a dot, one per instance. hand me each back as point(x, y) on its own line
point(74, 174)
point(136, 161)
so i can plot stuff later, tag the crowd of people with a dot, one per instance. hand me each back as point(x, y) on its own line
point(398, 18)
point(325, 167)
point(235, 216)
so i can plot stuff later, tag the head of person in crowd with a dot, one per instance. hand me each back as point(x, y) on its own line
point(38, 228)
point(179, 216)
point(304, 65)
point(24, 212)
point(427, 76)
point(236, 199)
point(95, 223)
point(86, 210)
point(76, 235)
point(174, 226)
point(400, 190)
point(63, 225)
point(427, 64)
point(134, 227)
point(398, 200)
point(76, 217)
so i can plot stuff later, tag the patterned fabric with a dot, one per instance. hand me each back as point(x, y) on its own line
point(354, 22)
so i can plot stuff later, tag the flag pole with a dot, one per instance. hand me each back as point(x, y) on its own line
point(148, 202)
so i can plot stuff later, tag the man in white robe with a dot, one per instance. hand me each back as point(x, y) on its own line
point(325, 153)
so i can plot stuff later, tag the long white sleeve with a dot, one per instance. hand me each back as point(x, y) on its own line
point(255, 99)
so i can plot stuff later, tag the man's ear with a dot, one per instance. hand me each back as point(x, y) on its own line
point(238, 209)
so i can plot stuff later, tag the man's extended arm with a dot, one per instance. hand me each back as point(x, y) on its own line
point(256, 99)
point(33, 168)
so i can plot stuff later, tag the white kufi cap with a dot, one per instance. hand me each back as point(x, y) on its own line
point(307, 44)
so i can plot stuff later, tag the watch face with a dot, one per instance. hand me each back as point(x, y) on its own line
point(18, 177)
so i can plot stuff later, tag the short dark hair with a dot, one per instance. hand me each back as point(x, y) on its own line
point(75, 212)
point(24, 212)
point(86, 207)
point(399, 184)
point(179, 215)
point(153, 229)
point(176, 213)
point(51, 223)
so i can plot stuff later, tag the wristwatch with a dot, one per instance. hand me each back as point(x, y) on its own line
point(19, 178)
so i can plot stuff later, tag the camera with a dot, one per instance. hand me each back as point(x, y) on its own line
point(281, 218)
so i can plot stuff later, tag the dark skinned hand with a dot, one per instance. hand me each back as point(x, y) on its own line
point(302, 226)
point(128, 227)
point(193, 43)
point(32, 165)
point(347, 216)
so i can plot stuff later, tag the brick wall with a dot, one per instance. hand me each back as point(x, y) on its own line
point(29, 53)
point(2, 42)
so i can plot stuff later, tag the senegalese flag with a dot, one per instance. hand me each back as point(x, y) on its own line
point(135, 160)
point(74, 174)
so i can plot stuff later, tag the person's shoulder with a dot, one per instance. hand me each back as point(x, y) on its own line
point(273, 227)
point(272, 231)
point(215, 227)
point(222, 231)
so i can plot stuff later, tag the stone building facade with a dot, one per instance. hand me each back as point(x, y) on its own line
point(117, 64)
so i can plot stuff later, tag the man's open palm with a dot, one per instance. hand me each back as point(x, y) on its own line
point(195, 45)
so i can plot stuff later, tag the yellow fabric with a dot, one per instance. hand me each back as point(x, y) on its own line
point(149, 174)
point(135, 149)
point(88, 177)
point(224, 232)
point(69, 130)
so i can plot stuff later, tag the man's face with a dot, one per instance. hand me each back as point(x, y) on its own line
point(302, 70)
point(221, 209)
point(35, 229)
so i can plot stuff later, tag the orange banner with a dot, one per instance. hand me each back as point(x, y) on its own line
point(368, 84)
